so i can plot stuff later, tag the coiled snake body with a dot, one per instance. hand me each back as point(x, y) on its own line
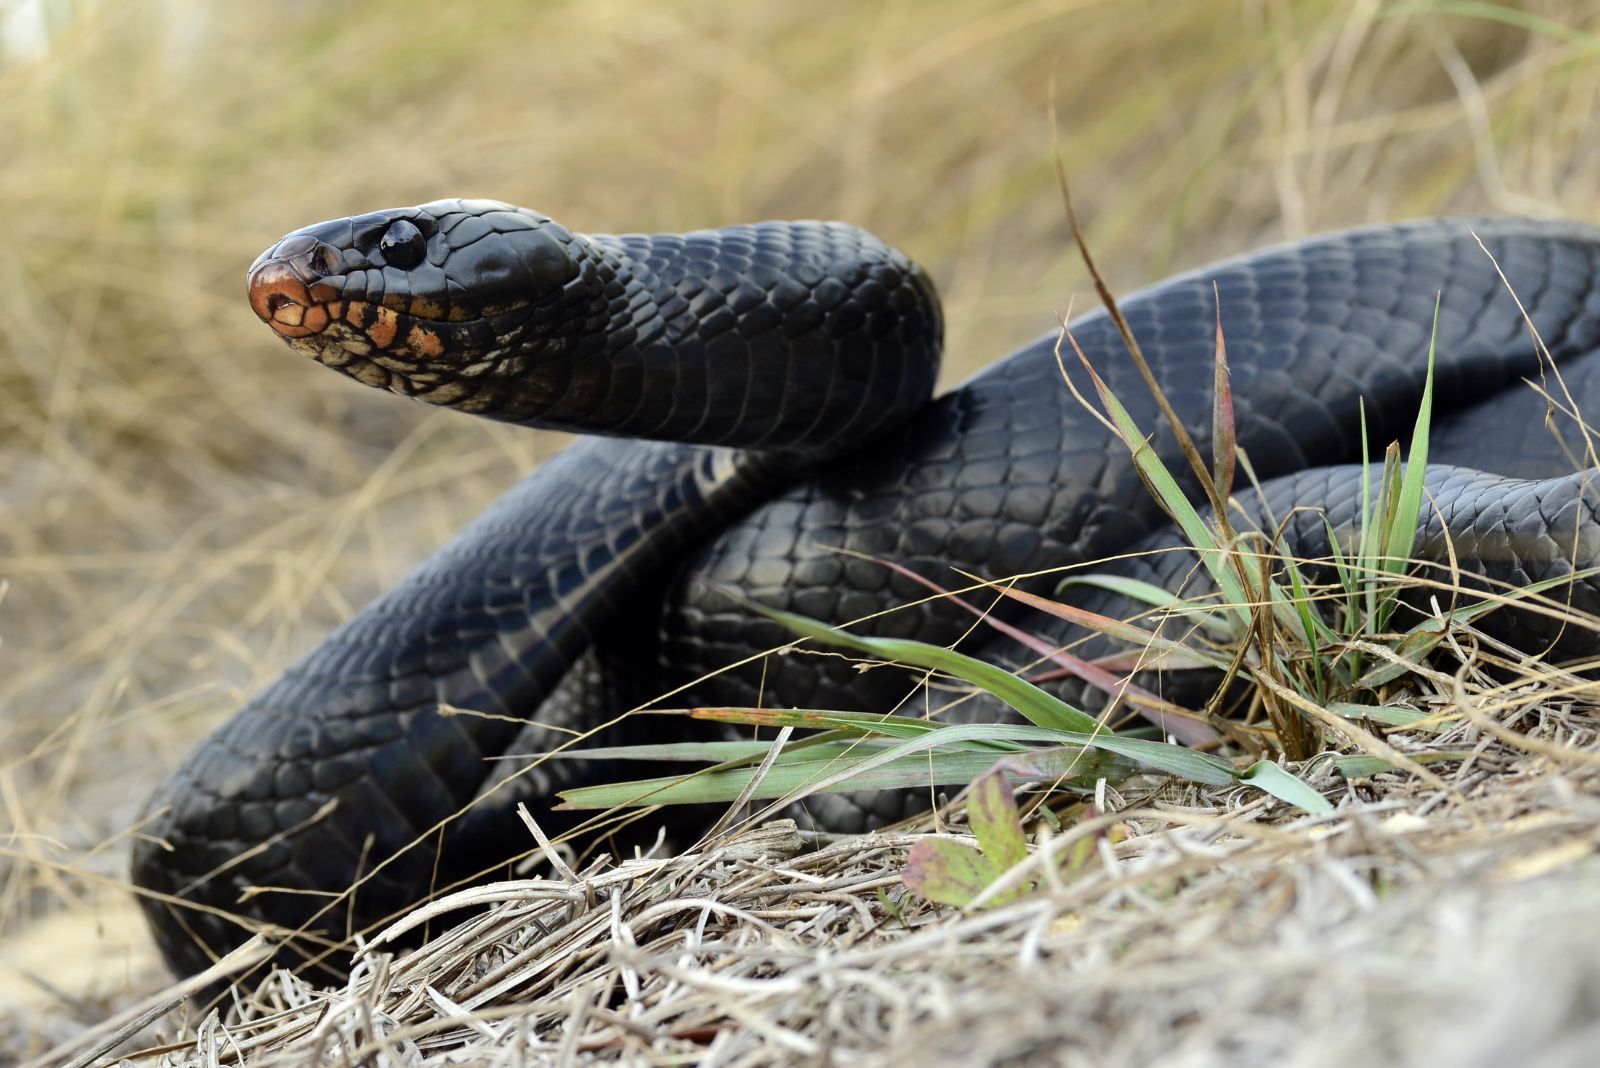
point(798, 359)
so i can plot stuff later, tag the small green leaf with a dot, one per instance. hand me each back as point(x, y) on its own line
point(946, 872)
point(996, 824)
point(952, 873)
point(1284, 786)
point(1361, 766)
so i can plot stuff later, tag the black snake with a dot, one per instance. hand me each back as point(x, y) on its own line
point(798, 358)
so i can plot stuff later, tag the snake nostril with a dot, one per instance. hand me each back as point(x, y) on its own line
point(326, 260)
point(276, 301)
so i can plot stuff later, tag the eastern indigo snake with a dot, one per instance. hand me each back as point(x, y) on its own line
point(798, 358)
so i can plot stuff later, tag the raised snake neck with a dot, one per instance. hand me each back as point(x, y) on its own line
point(809, 347)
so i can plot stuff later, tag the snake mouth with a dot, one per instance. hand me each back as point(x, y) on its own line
point(294, 288)
point(282, 298)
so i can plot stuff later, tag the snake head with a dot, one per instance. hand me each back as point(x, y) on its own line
point(430, 301)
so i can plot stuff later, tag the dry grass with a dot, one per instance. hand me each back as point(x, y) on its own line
point(1417, 925)
point(184, 508)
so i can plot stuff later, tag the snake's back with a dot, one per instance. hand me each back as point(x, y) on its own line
point(1007, 474)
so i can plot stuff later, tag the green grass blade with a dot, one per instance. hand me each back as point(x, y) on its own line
point(1037, 705)
point(1409, 652)
point(1073, 767)
point(782, 779)
point(1362, 766)
point(1377, 565)
point(1367, 541)
point(1076, 758)
point(1158, 756)
point(1389, 715)
point(1336, 552)
point(729, 752)
point(1173, 499)
point(821, 720)
point(1422, 639)
point(1311, 626)
point(1348, 581)
point(1168, 716)
point(1403, 524)
point(1319, 634)
point(1133, 589)
point(1210, 620)
point(1468, 613)
point(1115, 628)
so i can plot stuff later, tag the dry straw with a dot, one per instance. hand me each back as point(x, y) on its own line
point(1413, 921)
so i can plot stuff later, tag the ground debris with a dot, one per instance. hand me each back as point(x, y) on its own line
point(1412, 926)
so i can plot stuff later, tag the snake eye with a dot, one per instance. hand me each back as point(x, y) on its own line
point(402, 245)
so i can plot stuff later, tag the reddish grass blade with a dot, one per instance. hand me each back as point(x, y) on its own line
point(1224, 444)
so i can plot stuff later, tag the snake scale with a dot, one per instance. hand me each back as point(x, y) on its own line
point(759, 399)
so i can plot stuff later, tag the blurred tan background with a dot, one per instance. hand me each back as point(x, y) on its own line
point(185, 506)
